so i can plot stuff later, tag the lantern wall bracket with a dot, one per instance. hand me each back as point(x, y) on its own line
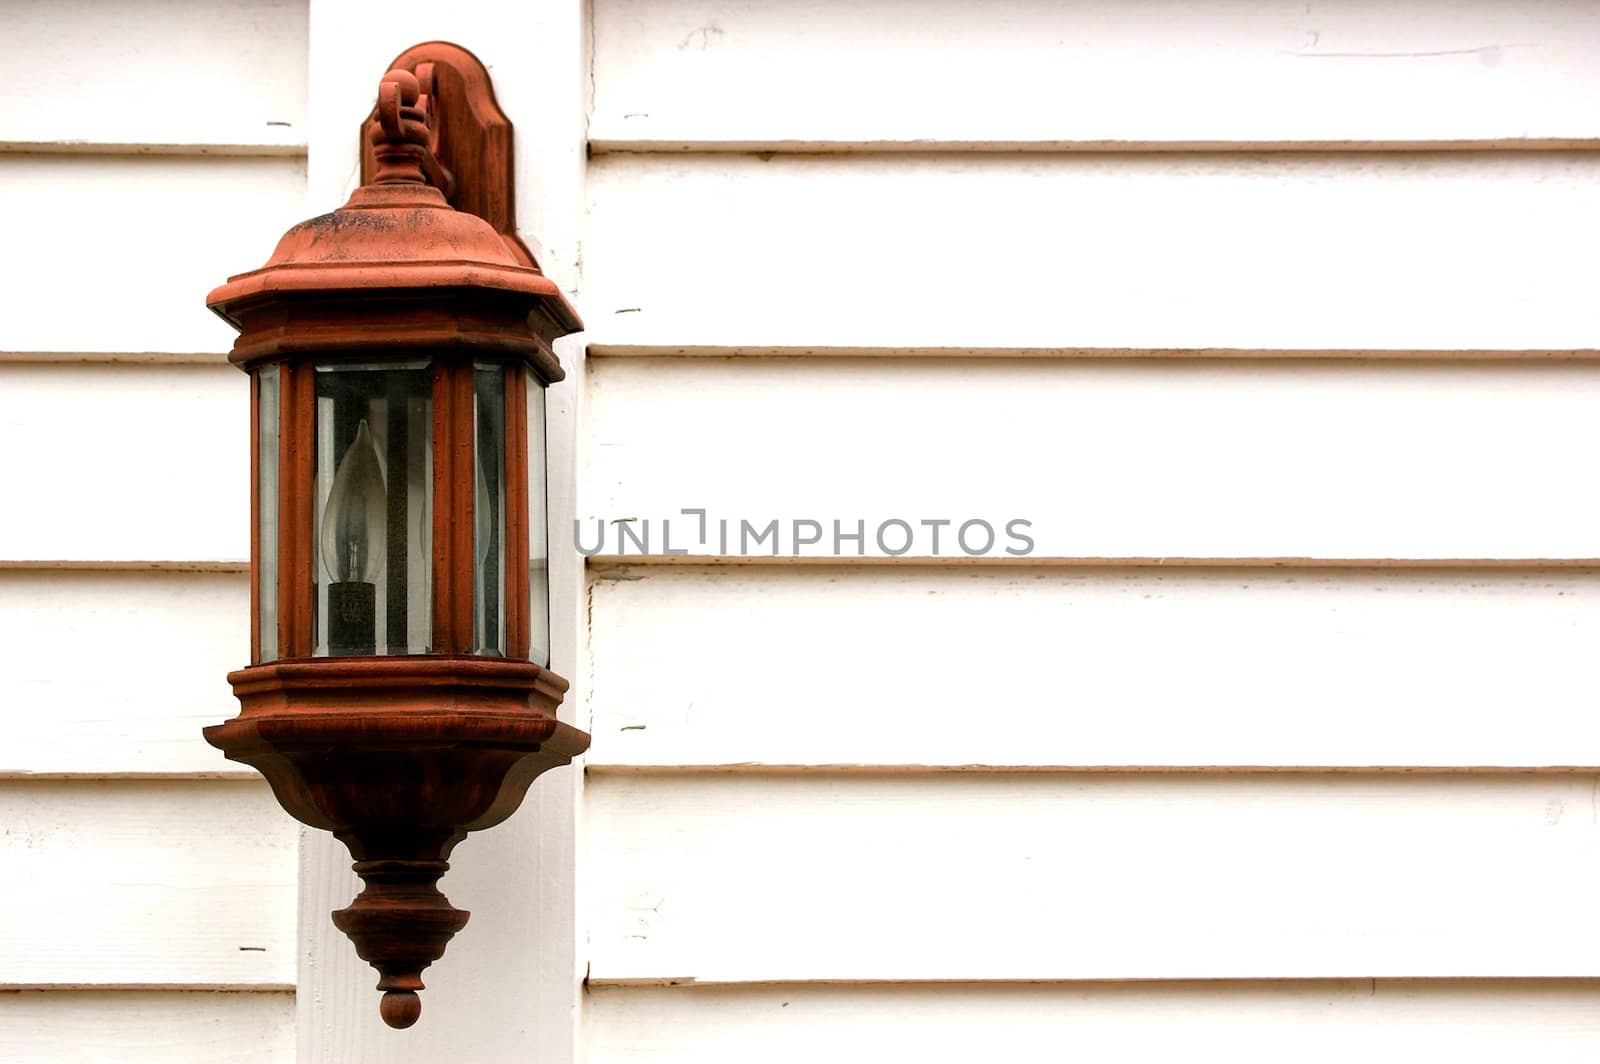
point(468, 153)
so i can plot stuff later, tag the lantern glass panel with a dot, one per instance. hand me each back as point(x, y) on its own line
point(489, 512)
point(373, 520)
point(538, 547)
point(266, 574)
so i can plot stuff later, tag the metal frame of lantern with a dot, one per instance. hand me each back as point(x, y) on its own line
point(395, 697)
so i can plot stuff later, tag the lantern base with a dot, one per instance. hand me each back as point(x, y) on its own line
point(400, 924)
point(399, 757)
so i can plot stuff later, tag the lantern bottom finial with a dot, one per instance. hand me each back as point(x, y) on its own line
point(400, 923)
point(400, 1008)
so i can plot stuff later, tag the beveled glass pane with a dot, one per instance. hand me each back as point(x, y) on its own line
point(489, 513)
point(538, 536)
point(373, 523)
point(267, 407)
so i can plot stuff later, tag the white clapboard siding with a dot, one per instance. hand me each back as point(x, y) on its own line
point(1235, 460)
point(1325, 252)
point(149, 884)
point(1031, 667)
point(1323, 1021)
point(144, 1027)
point(976, 876)
point(824, 73)
point(125, 463)
point(154, 75)
point(115, 254)
point(161, 645)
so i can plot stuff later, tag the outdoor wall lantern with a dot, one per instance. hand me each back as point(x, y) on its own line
point(398, 349)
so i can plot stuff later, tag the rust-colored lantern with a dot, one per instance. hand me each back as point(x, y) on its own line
point(398, 350)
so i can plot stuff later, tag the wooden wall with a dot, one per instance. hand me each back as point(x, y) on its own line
point(1274, 318)
point(1271, 317)
point(148, 149)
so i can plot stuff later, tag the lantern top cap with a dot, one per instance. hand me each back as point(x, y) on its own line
point(388, 237)
point(399, 233)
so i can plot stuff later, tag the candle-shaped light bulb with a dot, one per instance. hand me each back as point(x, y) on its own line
point(355, 518)
point(353, 528)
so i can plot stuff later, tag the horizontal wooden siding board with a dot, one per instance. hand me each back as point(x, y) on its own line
point(120, 251)
point(125, 463)
point(836, 73)
point(1345, 252)
point(1240, 460)
point(162, 644)
point(974, 876)
point(1320, 1022)
point(141, 1026)
point(155, 75)
point(1041, 667)
point(146, 884)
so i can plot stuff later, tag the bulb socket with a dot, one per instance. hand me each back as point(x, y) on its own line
point(352, 619)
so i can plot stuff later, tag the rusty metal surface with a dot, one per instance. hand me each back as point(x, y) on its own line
point(401, 756)
point(468, 134)
point(400, 238)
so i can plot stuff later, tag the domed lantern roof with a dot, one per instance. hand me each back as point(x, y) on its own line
point(397, 265)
